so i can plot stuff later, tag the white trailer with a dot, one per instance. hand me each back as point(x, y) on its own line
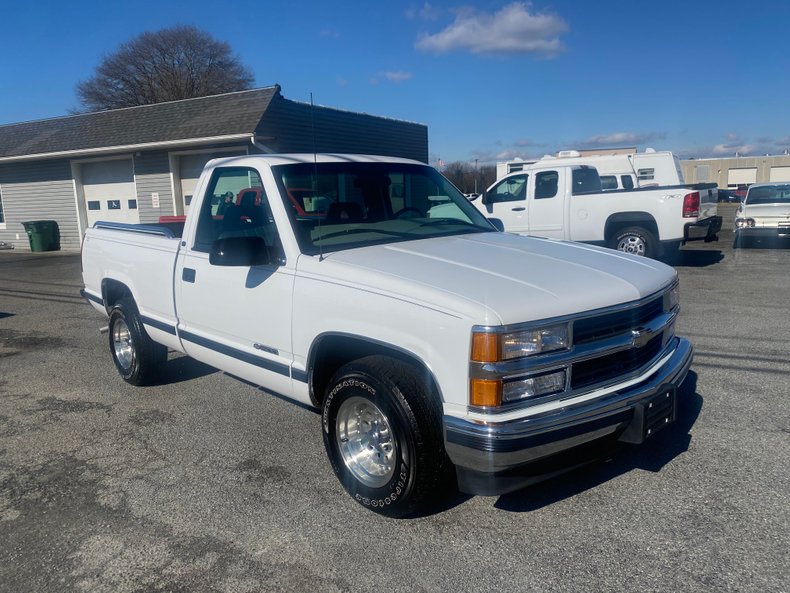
point(618, 171)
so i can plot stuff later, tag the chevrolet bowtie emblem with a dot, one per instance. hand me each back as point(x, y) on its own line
point(641, 336)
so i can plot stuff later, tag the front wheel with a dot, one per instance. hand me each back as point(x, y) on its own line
point(136, 356)
point(635, 240)
point(382, 433)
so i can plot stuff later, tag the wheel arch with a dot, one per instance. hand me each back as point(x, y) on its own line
point(621, 220)
point(113, 291)
point(331, 350)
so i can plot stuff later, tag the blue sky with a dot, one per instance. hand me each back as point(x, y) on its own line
point(491, 79)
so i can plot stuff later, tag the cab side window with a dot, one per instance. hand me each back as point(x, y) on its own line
point(511, 189)
point(235, 205)
point(546, 183)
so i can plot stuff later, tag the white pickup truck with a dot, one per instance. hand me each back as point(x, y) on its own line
point(567, 202)
point(439, 351)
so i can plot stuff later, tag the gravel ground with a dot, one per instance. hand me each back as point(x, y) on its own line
point(207, 484)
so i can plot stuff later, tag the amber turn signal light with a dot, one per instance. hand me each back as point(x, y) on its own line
point(485, 393)
point(485, 347)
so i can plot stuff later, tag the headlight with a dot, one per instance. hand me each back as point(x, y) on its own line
point(494, 347)
point(743, 223)
point(534, 341)
point(523, 388)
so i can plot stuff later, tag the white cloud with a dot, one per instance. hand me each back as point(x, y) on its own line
point(330, 32)
point(427, 12)
point(731, 149)
point(732, 137)
point(511, 30)
point(619, 139)
point(397, 76)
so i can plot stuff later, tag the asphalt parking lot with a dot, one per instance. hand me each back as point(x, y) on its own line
point(207, 484)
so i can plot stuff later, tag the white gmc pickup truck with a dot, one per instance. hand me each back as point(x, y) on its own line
point(566, 202)
point(435, 347)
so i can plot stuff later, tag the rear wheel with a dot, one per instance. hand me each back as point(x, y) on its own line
point(382, 432)
point(635, 240)
point(136, 356)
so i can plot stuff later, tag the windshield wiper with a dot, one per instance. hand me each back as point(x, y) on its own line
point(357, 232)
point(446, 221)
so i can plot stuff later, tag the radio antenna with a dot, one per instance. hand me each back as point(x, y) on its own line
point(315, 177)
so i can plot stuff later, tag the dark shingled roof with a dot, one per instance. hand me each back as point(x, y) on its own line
point(203, 117)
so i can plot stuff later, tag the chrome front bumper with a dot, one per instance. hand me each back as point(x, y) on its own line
point(488, 455)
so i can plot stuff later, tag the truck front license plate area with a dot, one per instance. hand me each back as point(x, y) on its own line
point(659, 412)
point(651, 416)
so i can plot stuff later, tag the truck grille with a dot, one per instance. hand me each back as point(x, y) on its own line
point(611, 324)
point(610, 366)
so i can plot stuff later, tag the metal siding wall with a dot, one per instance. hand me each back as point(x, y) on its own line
point(719, 168)
point(152, 175)
point(291, 126)
point(41, 190)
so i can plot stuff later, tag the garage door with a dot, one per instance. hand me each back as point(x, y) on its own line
point(110, 193)
point(189, 168)
point(780, 174)
point(745, 176)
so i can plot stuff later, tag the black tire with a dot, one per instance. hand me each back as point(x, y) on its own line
point(636, 240)
point(414, 468)
point(136, 356)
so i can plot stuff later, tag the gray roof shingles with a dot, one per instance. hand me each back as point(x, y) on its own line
point(203, 117)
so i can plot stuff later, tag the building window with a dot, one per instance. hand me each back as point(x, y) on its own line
point(113, 204)
point(94, 205)
point(132, 204)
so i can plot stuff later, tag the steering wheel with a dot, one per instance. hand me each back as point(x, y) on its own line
point(408, 210)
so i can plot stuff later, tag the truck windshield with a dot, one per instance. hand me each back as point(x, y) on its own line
point(344, 205)
point(768, 194)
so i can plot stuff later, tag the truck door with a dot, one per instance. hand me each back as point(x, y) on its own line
point(547, 206)
point(507, 201)
point(237, 318)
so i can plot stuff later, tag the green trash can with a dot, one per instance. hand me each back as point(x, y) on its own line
point(44, 235)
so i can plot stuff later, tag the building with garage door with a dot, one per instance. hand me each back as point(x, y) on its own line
point(737, 172)
point(137, 164)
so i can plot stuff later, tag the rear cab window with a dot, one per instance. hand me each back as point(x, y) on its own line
point(585, 180)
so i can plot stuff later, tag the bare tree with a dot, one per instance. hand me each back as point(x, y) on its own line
point(166, 65)
point(463, 175)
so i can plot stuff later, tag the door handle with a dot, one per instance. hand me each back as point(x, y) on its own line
point(188, 275)
point(519, 209)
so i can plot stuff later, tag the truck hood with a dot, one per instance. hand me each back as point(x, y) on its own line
point(497, 278)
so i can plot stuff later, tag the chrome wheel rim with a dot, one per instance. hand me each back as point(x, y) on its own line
point(366, 442)
point(122, 344)
point(632, 244)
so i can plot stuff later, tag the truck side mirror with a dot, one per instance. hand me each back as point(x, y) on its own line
point(498, 224)
point(484, 198)
point(240, 251)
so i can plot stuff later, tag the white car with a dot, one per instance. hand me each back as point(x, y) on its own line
point(764, 213)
